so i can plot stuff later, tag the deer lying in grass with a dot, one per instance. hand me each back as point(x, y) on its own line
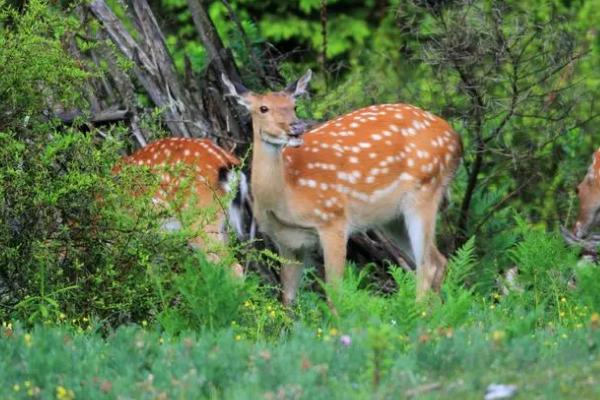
point(211, 174)
point(361, 170)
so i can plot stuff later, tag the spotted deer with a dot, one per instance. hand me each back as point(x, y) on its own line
point(363, 169)
point(588, 192)
point(212, 174)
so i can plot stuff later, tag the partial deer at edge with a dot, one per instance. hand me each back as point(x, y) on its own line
point(212, 174)
point(363, 169)
point(588, 192)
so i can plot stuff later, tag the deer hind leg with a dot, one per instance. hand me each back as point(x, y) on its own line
point(420, 224)
point(441, 267)
point(214, 244)
point(333, 242)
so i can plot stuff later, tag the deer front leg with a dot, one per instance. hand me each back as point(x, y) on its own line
point(291, 274)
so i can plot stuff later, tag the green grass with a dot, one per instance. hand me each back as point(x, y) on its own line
point(222, 338)
point(380, 362)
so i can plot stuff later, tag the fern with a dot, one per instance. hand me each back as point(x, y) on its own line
point(462, 265)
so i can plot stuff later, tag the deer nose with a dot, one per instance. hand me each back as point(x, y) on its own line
point(297, 128)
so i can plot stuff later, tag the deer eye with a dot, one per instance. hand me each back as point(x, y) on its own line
point(263, 109)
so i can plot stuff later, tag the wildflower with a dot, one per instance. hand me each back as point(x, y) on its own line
point(563, 300)
point(16, 387)
point(393, 322)
point(561, 314)
point(272, 314)
point(144, 323)
point(319, 332)
point(64, 394)
point(498, 336)
point(62, 316)
point(247, 304)
point(238, 337)
point(595, 320)
point(161, 340)
point(27, 339)
point(345, 340)
point(333, 332)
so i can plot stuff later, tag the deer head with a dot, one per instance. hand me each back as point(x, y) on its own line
point(274, 117)
point(588, 192)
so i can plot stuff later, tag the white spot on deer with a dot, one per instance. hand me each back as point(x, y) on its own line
point(388, 142)
point(376, 136)
point(187, 152)
point(383, 163)
point(324, 145)
point(323, 186)
point(353, 160)
point(410, 162)
point(302, 182)
point(387, 133)
point(310, 165)
point(422, 154)
point(365, 145)
point(167, 152)
point(155, 156)
point(406, 177)
point(311, 183)
point(370, 179)
point(394, 128)
point(315, 150)
point(372, 155)
point(412, 131)
point(355, 149)
point(353, 125)
point(398, 116)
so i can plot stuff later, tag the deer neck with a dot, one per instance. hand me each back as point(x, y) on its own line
point(268, 184)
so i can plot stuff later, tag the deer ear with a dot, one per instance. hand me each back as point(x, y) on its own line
point(298, 87)
point(236, 90)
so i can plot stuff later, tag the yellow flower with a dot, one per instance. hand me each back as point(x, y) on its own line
point(498, 336)
point(27, 339)
point(595, 319)
point(144, 323)
point(333, 332)
point(62, 316)
point(272, 314)
point(64, 394)
point(238, 337)
point(16, 387)
point(563, 300)
point(247, 304)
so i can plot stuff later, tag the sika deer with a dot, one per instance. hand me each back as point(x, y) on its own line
point(363, 169)
point(588, 192)
point(212, 172)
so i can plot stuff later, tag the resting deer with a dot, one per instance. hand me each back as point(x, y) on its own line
point(588, 192)
point(361, 170)
point(212, 172)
